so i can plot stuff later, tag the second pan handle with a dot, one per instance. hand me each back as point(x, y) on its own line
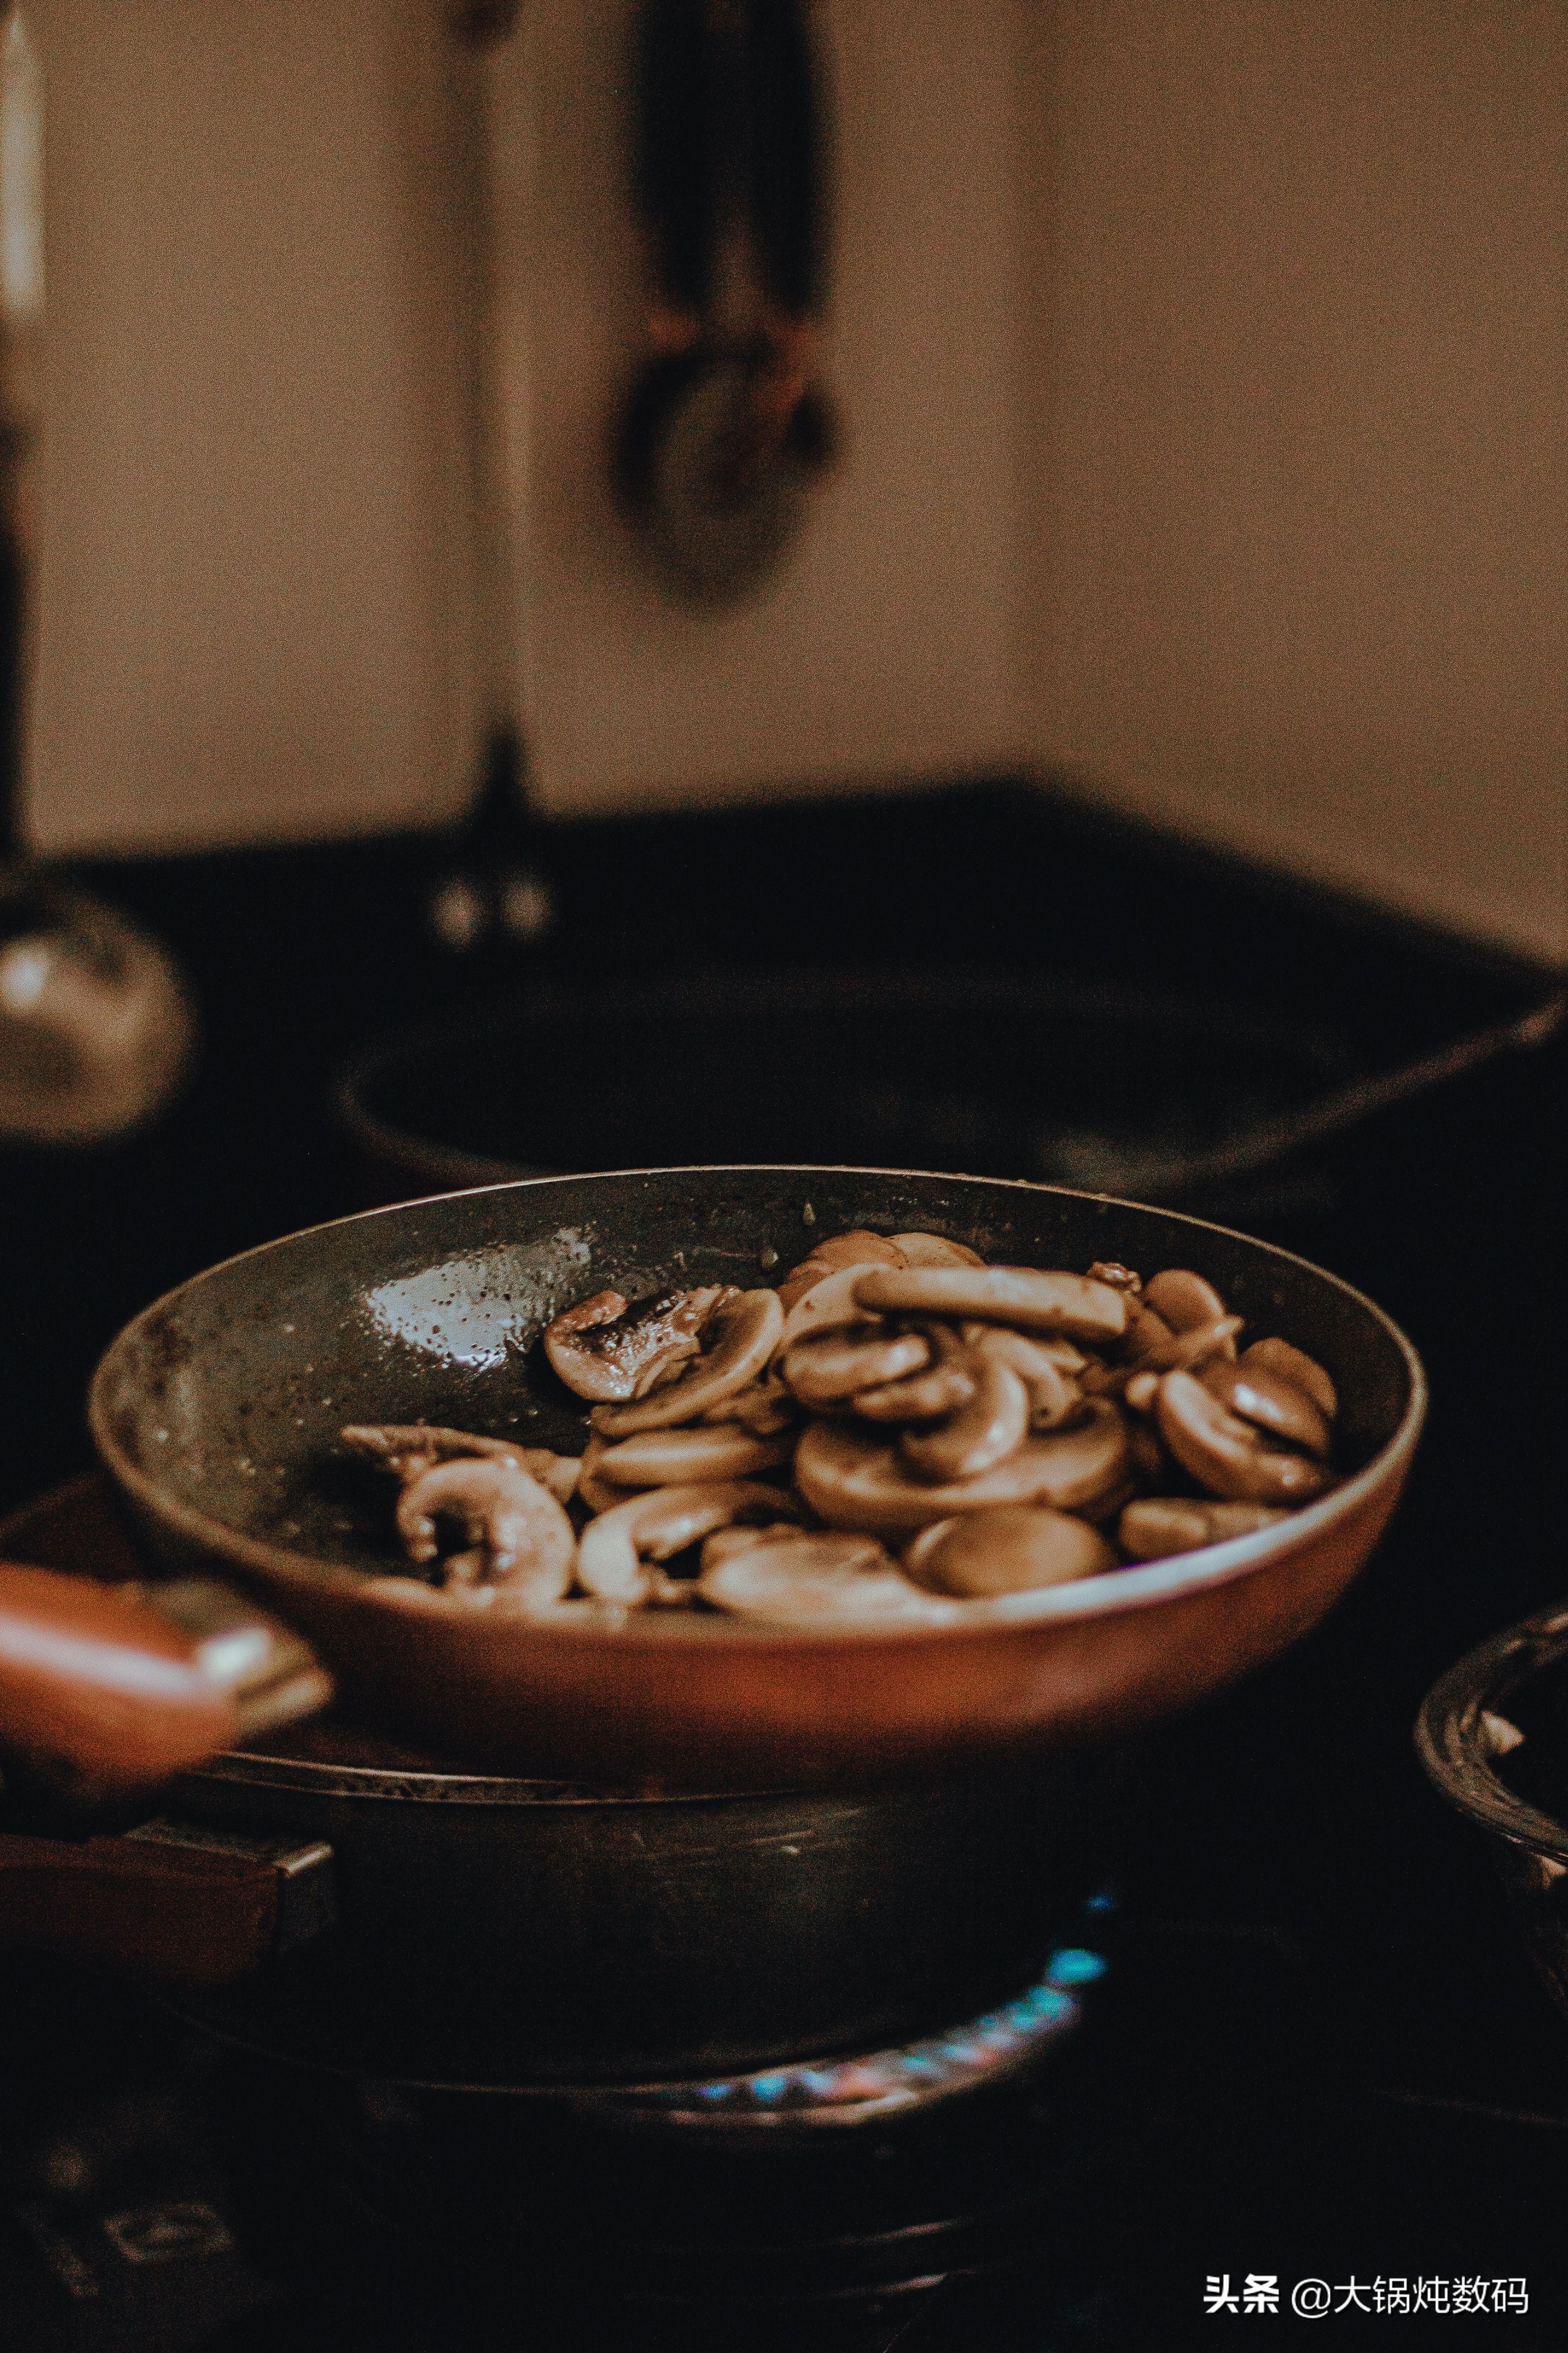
point(170, 1905)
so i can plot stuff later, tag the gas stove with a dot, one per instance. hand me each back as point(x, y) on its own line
point(1314, 2054)
point(1191, 2129)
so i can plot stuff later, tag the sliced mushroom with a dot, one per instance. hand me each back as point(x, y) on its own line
point(852, 1478)
point(1203, 1341)
point(1120, 1277)
point(988, 1427)
point(925, 1397)
point(613, 1553)
point(1182, 1299)
point(597, 1492)
point(857, 1248)
point(677, 1458)
point(1227, 1455)
point(1062, 1353)
point(1150, 1339)
point(764, 1407)
point(825, 1368)
point(1153, 1346)
point(935, 1249)
point(405, 1449)
point(1012, 1548)
point(739, 1336)
point(1023, 1296)
point(1142, 1390)
point(1275, 1405)
point(1294, 1364)
point(606, 1349)
point(792, 1575)
point(1162, 1525)
point(517, 1534)
point(828, 1302)
point(1055, 1396)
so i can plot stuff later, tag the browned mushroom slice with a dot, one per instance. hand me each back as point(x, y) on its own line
point(1012, 1548)
point(792, 1576)
point(988, 1427)
point(764, 1407)
point(1227, 1455)
point(855, 1249)
point(1153, 1346)
point(1182, 1299)
point(606, 1349)
point(1275, 1405)
point(1150, 1339)
point(596, 1492)
point(739, 1337)
point(615, 1549)
point(853, 1479)
point(830, 1302)
point(935, 1249)
point(1162, 1525)
point(1294, 1364)
point(517, 1534)
point(924, 1397)
point(823, 1368)
point(1055, 1396)
point(405, 1449)
point(1201, 1343)
point(1120, 1277)
point(677, 1458)
point(1024, 1297)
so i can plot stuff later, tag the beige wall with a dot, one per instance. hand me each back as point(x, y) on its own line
point(1299, 507)
point(1202, 367)
point(255, 594)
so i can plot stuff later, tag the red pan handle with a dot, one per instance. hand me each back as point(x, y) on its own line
point(99, 1693)
point(103, 1696)
point(177, 1915)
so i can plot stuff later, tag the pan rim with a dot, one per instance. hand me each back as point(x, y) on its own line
point(1148, 1586)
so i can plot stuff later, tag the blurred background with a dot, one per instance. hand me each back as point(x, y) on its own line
point(1201, 367)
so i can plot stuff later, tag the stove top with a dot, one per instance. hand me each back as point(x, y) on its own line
point(1317, 2054)
point(1199, 2136)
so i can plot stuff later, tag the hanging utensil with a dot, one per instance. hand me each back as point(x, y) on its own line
point(725, 430)
point(495, 890)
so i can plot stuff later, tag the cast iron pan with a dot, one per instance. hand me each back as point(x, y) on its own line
point(218, 1413)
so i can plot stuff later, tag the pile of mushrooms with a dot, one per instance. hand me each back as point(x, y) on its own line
point(898, 1432)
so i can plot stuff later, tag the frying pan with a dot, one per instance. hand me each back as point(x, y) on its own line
point(217, 1411)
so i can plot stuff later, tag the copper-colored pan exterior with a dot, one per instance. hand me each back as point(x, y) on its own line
point(216, 1413)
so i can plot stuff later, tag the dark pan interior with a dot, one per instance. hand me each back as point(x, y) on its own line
point(231, 1392)
point(1117, 1088)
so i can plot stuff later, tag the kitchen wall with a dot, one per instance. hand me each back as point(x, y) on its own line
point(253, 586)
point(1202, 364)
point(1299, 506)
